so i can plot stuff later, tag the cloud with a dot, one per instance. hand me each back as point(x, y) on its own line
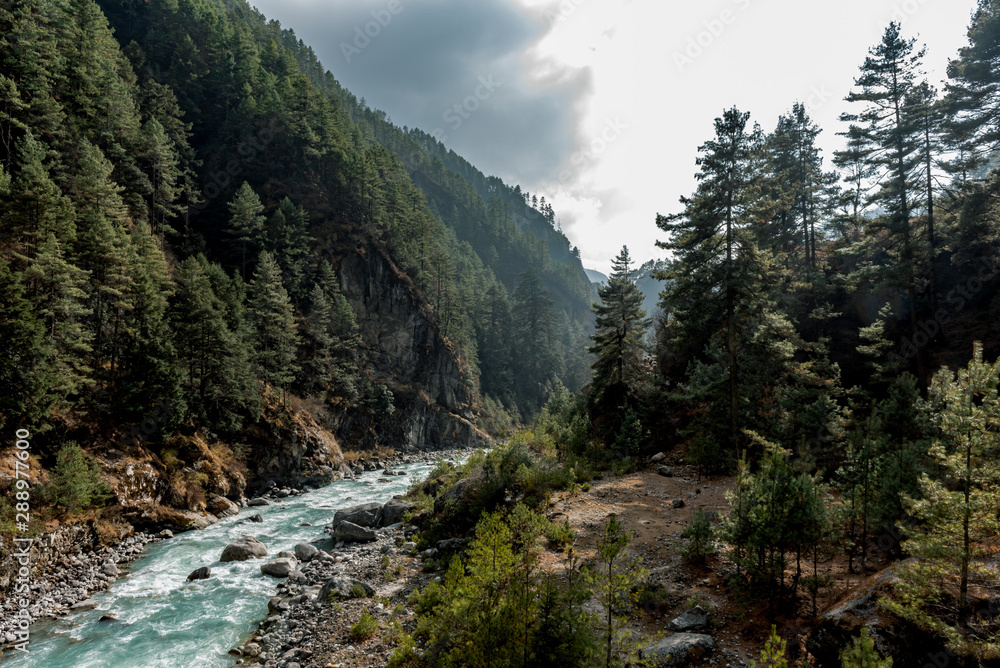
point(424, 62)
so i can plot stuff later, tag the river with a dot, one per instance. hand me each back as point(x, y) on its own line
point(164, 621)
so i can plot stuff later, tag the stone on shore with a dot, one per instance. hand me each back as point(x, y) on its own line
point(352, 533)
point(305, 552)
point(221, 507)
point(680, 649)
point(279, 568)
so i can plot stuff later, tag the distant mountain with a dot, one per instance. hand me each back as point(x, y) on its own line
point(596, 276)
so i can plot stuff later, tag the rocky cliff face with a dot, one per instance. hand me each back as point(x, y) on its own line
point(433, 392)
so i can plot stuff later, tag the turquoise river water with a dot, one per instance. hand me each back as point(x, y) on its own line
point(164, 621)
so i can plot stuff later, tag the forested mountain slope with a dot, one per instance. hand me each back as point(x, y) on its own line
point(199, 235)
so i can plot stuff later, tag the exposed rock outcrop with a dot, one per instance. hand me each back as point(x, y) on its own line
point(434, 399)
point(900, 639)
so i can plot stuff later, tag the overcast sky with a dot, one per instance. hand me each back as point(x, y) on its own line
point(600, 105)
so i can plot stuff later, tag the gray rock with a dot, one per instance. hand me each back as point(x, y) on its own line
point(363, 515)
point(85, 604)
point(678, 503)
point(256, 518)
point(108, 618)
point(451, 544)
point(350, 532)
point(393, 510)
point(245, 548)
point(456, 494)
point(343, 587)
point(680, 649)
point(166, 533)
point(279, 568)
point(110, 569)
point(258, 503)
point(665, 471)
point(221, 507)
point(202, 573)
point(694, 619)
point(305, 552)
point(658, 457)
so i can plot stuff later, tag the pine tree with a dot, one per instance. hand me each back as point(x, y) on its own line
point(273, 322)
point(58, 291)
point(331, 331)
point(973, 92)
point(24, 368)
point(215, 359)
point(104, 252)
point(149, 360)
point(956, 511)
point(38, 207)
point(246, 224)
point(537, 364)
point(718, 265)
point(619, 370)
point(798, 173)
point(861, 653)
point(888, 77)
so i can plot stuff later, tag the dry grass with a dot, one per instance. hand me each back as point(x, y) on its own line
point(380, 452)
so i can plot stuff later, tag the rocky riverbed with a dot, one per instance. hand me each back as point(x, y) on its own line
point(71, 565)
point(69, 581)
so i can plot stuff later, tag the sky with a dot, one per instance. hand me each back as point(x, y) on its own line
point(600, 105)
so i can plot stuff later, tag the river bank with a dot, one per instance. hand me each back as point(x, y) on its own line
point(76, 576)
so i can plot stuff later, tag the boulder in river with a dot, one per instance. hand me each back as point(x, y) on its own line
point(245, 548)
point(279, 568)
point(349, 532)
point(258, 503)
point(680, 649)
point(305, 552)
point(202, 573)
point(256, 518)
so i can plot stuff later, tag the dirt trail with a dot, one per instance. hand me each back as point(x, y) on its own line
point(645, 502)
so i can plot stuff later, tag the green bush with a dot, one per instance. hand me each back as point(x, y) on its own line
point(496, 608)
point(699, 538)
point(365, 628)
point(76, 483)
point(357, 591)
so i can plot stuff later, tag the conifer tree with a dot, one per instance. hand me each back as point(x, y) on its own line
point(273, 322)
point(973, 91)
point(619, 368)
point(718, 266)
point(215, 360)
point(104, 252)
point(888, 77)
point(537, 363)
point(246, 223)
point(956, 510)
point(58, 291)
point(24, 368)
